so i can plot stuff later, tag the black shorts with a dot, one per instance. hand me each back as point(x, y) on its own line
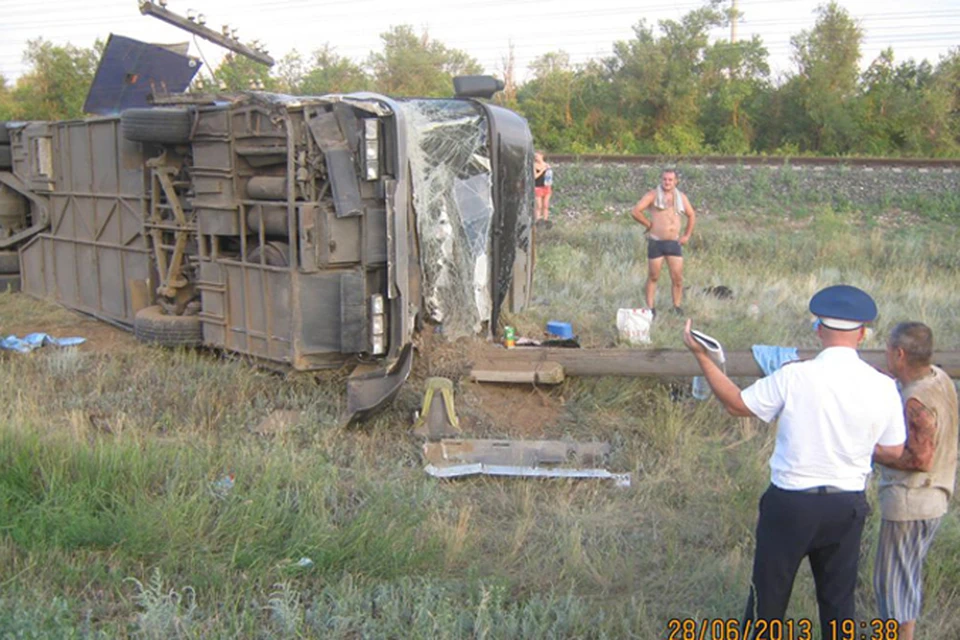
point(659, 248)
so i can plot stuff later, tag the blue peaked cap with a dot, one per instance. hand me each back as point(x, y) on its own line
point(843, 302)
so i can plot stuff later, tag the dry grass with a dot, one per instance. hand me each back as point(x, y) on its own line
point(111, 524)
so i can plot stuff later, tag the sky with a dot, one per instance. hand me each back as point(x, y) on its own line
point(485, 29)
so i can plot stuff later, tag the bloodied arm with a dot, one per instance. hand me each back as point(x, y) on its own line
point(918, 452)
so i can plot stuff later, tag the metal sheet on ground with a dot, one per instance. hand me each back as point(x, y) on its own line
point(515, 452)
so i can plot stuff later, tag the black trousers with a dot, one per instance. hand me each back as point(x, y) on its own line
point(823, 527)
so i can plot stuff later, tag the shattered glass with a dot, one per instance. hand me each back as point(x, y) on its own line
point(450, 173)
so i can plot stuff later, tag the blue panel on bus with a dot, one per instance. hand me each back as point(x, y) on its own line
point(131, 70)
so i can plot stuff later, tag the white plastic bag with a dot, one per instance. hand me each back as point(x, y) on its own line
point(633, 325)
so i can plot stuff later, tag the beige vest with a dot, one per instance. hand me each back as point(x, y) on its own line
point(922, 495)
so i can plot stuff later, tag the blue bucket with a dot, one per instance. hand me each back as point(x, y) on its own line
point(560, 329)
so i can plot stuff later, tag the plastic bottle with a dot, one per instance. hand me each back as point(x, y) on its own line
point(701, 388)
point(509, 337)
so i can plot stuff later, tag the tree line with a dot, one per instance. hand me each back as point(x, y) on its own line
point(668, 90)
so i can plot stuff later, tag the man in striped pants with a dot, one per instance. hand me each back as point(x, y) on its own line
point(916, 486)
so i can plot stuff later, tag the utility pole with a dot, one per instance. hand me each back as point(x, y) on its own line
point(733, 23)
point(733, 72)
point(149, 8)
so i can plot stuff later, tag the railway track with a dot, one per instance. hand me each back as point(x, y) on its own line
point(946, 164)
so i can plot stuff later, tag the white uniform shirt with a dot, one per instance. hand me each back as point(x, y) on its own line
point(833, 410)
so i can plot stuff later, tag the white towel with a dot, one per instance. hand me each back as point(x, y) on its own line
point(660, 202)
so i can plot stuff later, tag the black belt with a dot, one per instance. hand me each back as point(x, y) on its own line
point(824, 490)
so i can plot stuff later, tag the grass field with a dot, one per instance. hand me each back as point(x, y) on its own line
point(114, 521)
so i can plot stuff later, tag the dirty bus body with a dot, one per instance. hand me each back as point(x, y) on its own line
point(303, 232)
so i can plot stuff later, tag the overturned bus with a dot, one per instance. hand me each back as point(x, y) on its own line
point(302, 232)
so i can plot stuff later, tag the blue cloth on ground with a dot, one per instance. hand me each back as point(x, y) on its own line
point(770, 358)
point(35, 340)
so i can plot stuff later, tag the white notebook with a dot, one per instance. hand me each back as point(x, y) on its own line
point(701, 390)
point(712, 345)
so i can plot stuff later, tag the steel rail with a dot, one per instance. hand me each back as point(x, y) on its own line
point(761, 161)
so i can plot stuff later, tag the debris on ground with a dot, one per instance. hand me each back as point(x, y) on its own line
point(633, 325)
point(721, 292)
point(221, 488)
point(560, 329)
point(437, 417)
point(519, 458)
point(518, 372)
point(35, 341)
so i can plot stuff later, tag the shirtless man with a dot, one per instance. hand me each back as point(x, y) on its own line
point(667, 204)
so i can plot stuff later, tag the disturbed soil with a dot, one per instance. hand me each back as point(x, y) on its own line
point(485, 409)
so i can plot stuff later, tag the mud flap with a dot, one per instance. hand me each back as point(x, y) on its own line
point(369, 390)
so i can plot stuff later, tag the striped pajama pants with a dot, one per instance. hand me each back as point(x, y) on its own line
point(898, 572)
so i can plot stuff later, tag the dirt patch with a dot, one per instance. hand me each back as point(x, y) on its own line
point(485, 409)
point(511, 411)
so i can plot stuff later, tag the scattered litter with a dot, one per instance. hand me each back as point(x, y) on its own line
point(633, 325)
point(458, 458)
point(562, 343)
point(516, 452)
point(461, 470)
point(35, 341)
point(770, 358)
point(437, 417)
point(701, 388)
point(288, 565)
point(222, 487)
point(720, 291)
point(563, 330)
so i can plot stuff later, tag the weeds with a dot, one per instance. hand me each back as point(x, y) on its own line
point(163, 613)
point(110, 463)
point(286, 613)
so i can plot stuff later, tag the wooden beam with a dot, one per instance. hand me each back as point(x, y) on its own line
point(535, 372)
point(664, 362)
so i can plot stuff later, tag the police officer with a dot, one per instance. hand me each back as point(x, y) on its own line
point(833, 411)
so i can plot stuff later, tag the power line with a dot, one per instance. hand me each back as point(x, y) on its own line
point(925, 37)
point(589, 47)
point(308, 10)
